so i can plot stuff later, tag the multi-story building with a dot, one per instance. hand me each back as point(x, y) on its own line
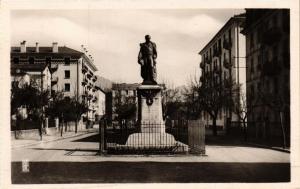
point(267, 34)
point(223, 60)
point(72, 70)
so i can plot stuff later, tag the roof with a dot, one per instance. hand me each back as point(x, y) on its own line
point(240, 17)
point(23, 68)
point(62, 50)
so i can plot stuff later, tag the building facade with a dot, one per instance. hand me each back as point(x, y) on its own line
point(72, 71)
point(223, 60)
point(267, 34)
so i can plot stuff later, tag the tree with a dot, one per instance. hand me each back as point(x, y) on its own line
point(30, 97)
point(213, 96)
point(278, 104)
point(124, 107)
point(67, 109)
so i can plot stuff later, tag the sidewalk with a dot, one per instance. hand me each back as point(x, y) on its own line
point(20, 143)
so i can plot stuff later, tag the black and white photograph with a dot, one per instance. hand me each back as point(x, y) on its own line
point(151, 95)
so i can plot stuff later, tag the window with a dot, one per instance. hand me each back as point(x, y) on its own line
point(67, 61)
point(16, 60)
point(31, 60)
point(67, 74)
point(67, 87)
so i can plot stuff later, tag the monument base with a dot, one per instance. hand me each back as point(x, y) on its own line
point(152, 127)
point(153, 140)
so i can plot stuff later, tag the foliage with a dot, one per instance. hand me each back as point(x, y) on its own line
point(213, 96)
point(124, 107)
point(64, 107)
point(28, 96)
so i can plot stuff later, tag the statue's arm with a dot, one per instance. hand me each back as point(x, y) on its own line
point(154, 51)
point(140, 56)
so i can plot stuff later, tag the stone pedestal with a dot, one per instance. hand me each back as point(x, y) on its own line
point(152, 128)
point(150, 109)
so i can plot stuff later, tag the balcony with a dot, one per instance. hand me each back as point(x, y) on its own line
point(271, 68)
point(217, 52)
point(53, 68)
point(54, 80)
point(227, 44)
point(227, 64)
point(202, 65)
point(89, 75)
point(84, 82)
point(271, 36)
point(217, 71)
point(94, 78)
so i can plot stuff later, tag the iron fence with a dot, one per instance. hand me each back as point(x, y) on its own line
point(152, 138)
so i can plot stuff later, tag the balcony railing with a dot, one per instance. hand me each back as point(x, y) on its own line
point(217, 71)
point(217, 52)
point(227, 64)
point(227, 44)
point(271, 36)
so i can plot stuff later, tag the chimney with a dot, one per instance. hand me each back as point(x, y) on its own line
point(37, 47)
point(55, 47)
point(23, 47)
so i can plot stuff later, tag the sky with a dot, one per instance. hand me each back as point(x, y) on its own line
point(112, 37)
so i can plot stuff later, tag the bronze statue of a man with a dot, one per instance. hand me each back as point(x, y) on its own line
point(147, 60)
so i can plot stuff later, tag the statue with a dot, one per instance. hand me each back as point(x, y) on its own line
point(147, 60)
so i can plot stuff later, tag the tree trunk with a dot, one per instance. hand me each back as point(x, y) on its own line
point(76, 125)
point(283, 130)
point(245, 130)
point(215, 133)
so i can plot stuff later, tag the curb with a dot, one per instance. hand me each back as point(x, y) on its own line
point(269, 147)
point(51, 140)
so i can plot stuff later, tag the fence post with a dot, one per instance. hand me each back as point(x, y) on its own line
point(102, 146)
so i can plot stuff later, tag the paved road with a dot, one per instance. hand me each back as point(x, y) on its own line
point(74, 160)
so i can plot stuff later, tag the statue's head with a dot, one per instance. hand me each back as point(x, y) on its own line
point(147, 37)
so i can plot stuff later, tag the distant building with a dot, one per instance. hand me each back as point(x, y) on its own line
point(122, 92)
point(267, 34)
point(72, 70)
point(35, 74)
point(223, 59)
point(103, 95)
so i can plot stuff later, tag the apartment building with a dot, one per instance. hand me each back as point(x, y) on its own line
point(72, 71)
point(267, 34)
point(223, 60)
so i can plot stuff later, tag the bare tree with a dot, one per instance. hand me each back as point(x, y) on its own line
point(213, 96)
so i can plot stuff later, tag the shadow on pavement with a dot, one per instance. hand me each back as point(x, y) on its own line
point(92, 138)
point(148, 172)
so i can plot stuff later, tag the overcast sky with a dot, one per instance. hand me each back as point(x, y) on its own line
point(113, 36)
